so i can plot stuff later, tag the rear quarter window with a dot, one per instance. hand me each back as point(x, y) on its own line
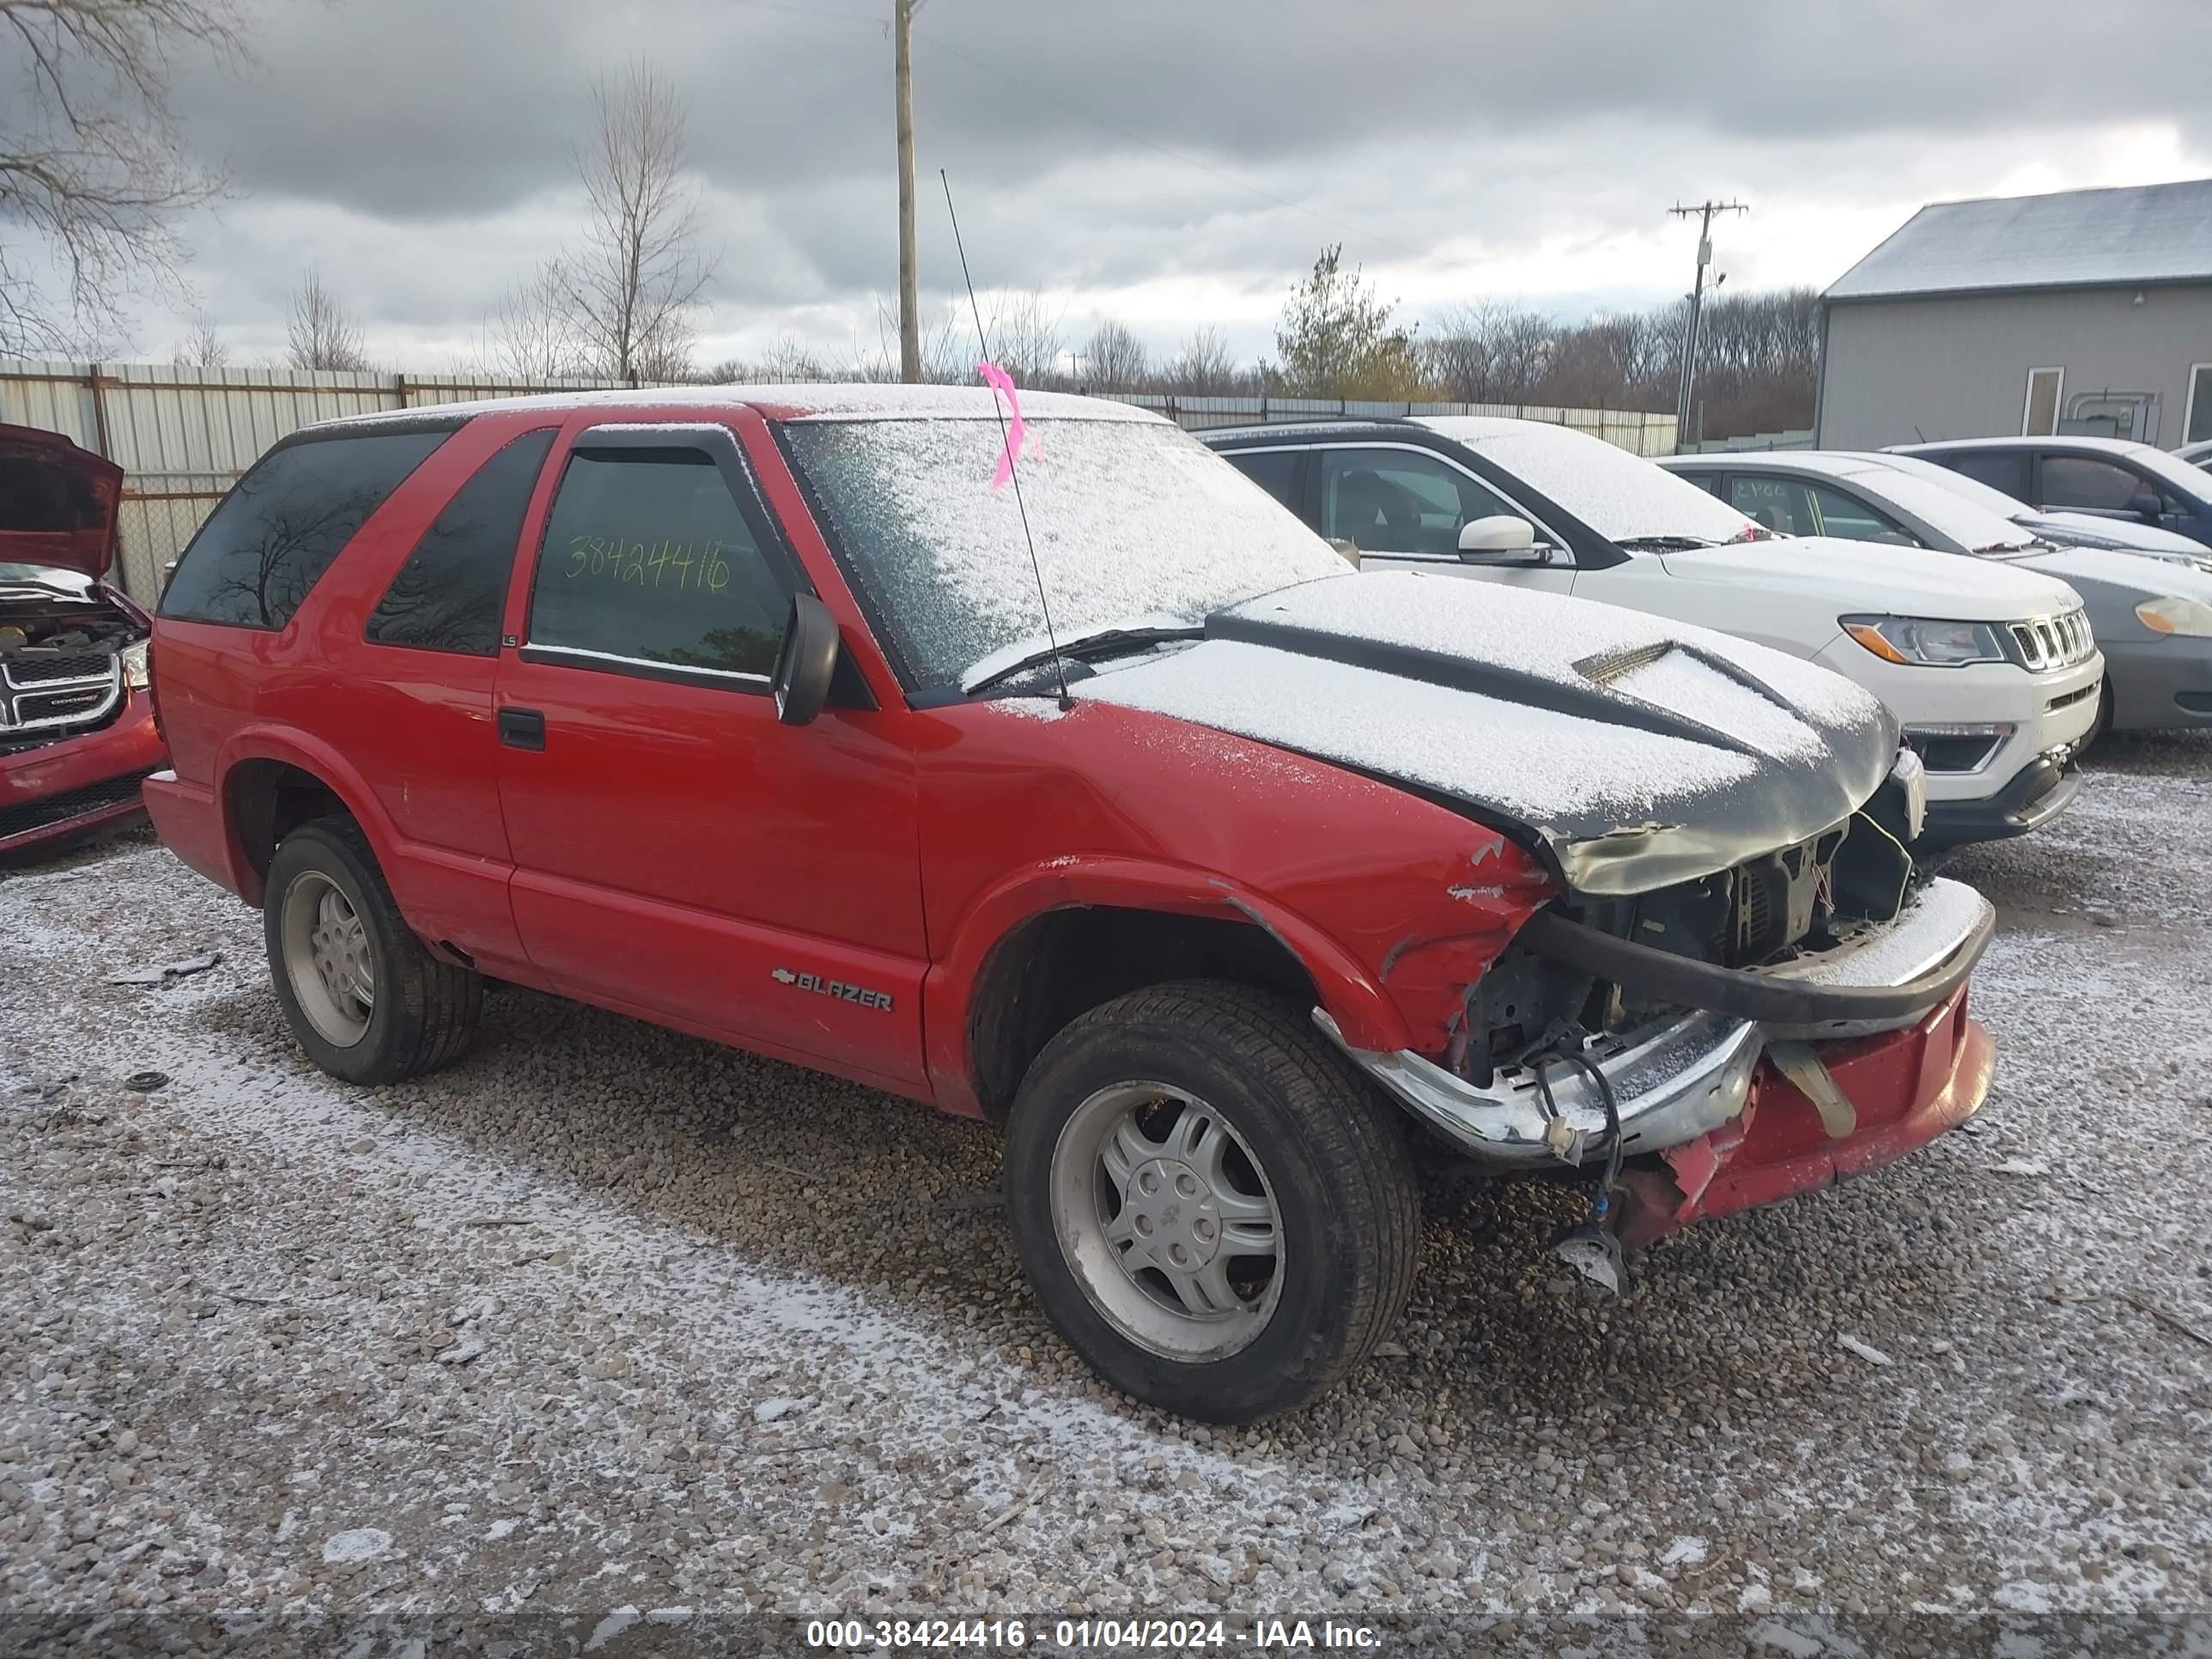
point(450, 593)
point(263, 548)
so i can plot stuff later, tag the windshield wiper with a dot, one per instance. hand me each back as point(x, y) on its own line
point(1664, 543)
point(1112, 639)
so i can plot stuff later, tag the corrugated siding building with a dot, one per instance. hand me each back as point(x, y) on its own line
point(2087, 310)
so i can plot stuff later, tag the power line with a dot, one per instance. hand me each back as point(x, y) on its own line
point(1687, 389)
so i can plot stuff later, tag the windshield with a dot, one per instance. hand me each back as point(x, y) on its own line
point(2185, 481)
point(1622, 496)
point(1131, 520)
point(1971, 490)
point(1950, 514)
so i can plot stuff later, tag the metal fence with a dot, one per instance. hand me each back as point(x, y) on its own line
point(1640, 432)
point(1795, 438)
point(183, 436)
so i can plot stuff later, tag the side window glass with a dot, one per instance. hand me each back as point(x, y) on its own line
point(2085, 481)
point(1778, 504)
point(1847, 516)
point(450, 593)
point(1275, 471)
point(268, 541)
point(1395, 501)
point(1998, 470)
point(646, 557)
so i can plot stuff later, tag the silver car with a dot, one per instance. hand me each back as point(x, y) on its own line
point(2151, 615)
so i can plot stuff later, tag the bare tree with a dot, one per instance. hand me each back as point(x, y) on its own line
point(202, 349)
point(786, 362)
point(1024, 333)
point(1114, 360)
point(530, 335)
point(1203, 367)
point(631, 289)
point(92, 169)
point(321, 333)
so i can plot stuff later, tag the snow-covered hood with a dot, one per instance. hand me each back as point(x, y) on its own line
point(2087, 530)
point(1635, 752)
point(58, 503)
point(2145, 575)
point(1874, 578)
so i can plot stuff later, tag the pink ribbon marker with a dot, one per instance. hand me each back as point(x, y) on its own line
point(1017, 428)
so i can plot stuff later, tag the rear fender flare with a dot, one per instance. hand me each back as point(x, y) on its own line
point(320, 761)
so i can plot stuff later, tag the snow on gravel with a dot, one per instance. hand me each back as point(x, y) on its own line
point(618, 1333)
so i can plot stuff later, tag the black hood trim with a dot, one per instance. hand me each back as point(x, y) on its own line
point(1789, 801)
point(1486, 679)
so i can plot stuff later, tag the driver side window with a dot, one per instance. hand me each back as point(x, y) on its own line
point(1399, 500)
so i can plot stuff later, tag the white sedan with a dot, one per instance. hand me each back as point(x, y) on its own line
point(1992, 671)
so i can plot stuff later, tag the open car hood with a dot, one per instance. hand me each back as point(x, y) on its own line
point(58, 503)
point(1630, 752)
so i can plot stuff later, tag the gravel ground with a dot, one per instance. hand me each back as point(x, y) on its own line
point(618, 1332)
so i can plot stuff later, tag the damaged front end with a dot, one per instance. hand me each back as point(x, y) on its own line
point(1722, 1042)
point(76, 726)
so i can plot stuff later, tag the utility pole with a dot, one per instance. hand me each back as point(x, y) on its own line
point(1686, 387)
point(903, 13)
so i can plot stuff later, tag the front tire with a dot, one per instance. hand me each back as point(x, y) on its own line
point(1214, 1208)
point(364, 998)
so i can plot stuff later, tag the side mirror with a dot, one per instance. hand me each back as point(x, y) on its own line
point(807, 662)
point(2146, 505)
point(1501, 538)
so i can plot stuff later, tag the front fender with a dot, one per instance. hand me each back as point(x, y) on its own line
point(1349, 993)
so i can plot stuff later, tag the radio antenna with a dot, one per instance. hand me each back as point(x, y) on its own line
point(1013, 461)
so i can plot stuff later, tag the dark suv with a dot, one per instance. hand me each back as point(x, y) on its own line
point(2107, 477)
point(1222, 891)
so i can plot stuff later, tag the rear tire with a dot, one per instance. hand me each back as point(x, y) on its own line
point(364, 996)
point(1215, 1209)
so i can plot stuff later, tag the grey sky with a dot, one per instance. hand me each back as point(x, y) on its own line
point(1167, 163)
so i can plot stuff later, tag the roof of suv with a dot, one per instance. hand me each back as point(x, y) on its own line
point(2074, 442)
point(1831, 463)
point(863, 402)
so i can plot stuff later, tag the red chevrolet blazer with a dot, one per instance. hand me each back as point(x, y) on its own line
point(1110, 806)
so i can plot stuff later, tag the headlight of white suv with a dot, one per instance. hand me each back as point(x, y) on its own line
point(1926, 642)
point(2175, 614)
point(136, 675)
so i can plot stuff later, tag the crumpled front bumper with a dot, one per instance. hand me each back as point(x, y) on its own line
point(79, 783)
point(1685, 1080)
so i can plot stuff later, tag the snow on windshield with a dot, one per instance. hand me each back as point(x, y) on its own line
point(1988, 498)
point(2191, 484)
point(1620, 495)
point(1950, 513)
point(1131, 520)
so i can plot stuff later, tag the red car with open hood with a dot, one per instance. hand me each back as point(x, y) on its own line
point(1228, 886)
point(77, 720)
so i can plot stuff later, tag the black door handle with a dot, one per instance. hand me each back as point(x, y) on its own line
point(522, 728)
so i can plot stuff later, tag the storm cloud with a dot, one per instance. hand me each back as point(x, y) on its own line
point(1169, 163)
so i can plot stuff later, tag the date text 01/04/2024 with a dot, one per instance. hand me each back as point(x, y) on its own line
point(1165, 1635)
